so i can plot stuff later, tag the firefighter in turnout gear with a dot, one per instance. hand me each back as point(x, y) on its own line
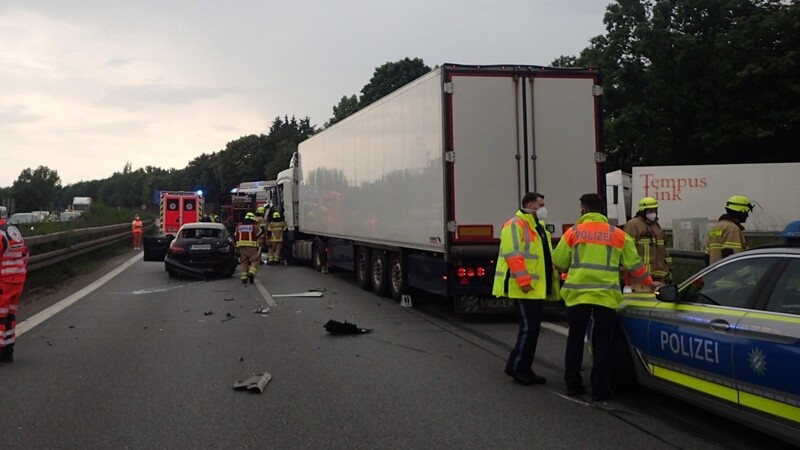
point(650, 242)
point(276, 228)
point(591, 252)
point(726, 237)
point(262, 226)
point(525, 274)
point(247, 237)
point(13, 271)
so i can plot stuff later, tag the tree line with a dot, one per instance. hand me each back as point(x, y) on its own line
point(684, 81)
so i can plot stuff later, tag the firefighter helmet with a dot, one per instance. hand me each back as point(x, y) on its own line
point(739, 203)
point(276, 215)
point(249, 216)
point(647, 203)
point(260, 210)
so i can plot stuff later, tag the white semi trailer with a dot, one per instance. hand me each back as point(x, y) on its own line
point(413, 190)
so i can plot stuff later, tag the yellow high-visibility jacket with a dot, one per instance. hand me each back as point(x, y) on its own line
point(591, 252)
point(521, 261)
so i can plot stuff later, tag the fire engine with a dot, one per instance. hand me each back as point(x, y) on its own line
point(178, 208)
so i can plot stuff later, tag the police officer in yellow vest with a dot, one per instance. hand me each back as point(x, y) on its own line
point(650, 241)
point(591, 252)
point(726, 237)
point(525, 274)
point(247, 237)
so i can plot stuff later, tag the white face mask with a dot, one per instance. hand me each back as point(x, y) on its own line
point(541, 213)
point(651, 216)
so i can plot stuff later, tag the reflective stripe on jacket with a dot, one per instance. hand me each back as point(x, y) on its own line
point(521, 262)
point(651, 245)
point(591, 252)
point(725, 235)
point(13, 255)
point(247, 234)
point(276, 230)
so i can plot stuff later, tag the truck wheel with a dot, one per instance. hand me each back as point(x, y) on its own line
point(316, 256)
point(380, 273)
point(362, 268)
point(397, 276)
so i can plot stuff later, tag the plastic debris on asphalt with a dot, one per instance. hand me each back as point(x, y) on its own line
point(261, 310)
point(336, 327)
point(256, 382)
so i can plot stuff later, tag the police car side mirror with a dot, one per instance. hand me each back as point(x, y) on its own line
point(667, 293)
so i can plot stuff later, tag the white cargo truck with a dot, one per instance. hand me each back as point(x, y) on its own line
point(412, 191)
point(700, 191)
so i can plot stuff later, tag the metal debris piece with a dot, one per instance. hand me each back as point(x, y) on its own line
point(256, 382)
point(318, 290)
point(228, 299)
point(261, 310)
point(208, 313)
point(300, 294)
point(228, 316)
point(336, 327)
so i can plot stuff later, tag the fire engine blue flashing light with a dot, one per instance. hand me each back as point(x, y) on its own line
point(199, 192)
point(792, 232)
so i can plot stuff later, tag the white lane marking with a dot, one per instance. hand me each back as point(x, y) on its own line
point(557, 328)
point(153, 291)
point(264, 293)
point(37, 319)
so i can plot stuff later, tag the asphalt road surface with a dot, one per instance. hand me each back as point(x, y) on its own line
point(137, 360)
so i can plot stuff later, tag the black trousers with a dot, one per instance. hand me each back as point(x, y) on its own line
point(529, 315)
point(602, 340)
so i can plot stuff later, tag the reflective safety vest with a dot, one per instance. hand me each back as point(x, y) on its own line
point(591, 252)
point(521, 261)
point(13, 255)
point(725, 235)
point(276, 230)
point(651, 245)
point(247, 234)
point(137, 226)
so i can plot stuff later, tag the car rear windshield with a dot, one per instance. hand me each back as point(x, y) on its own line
point(196, 233)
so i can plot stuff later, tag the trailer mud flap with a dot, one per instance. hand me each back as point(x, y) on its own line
point(481, 304)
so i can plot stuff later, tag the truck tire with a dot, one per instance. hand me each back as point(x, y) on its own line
point(362, 268)
point(397, 276)
point(317, 258)
point(379, 271)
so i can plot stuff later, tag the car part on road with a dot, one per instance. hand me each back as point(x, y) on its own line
point(336, 327)
point(300, 294)
point(256, 382)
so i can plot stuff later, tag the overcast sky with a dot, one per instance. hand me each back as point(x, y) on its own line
point(87, 85)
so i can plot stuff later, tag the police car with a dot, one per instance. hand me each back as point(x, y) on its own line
point(727, 339)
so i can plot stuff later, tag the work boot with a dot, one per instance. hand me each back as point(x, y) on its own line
point(251, 278)
point(244, 280)
point(7, 355)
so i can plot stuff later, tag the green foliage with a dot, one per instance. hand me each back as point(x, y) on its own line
point(699, 81)
point(385, 80)
point(36, 190)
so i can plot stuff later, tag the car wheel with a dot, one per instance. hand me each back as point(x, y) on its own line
point(397, 276)
point(379, 271)
point(172, 274)
point(362, 268)
point(623, 374)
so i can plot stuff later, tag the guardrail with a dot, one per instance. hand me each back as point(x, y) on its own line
point(121, 231)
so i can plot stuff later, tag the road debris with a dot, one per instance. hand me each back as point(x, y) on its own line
point(300, 294)
point(208, 313)
point(336, 327)
point(228, 316)
point(261, 310)
point(256, 382)
point(228, 299)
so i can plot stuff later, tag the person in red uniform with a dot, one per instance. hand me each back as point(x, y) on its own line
point(13, 270)
point(136, 227)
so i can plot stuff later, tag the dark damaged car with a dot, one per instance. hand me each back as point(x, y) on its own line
point(200, 249)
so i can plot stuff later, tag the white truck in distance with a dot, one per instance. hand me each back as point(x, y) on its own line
point(81, 203)
point(413, 190)
point(700, 191)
